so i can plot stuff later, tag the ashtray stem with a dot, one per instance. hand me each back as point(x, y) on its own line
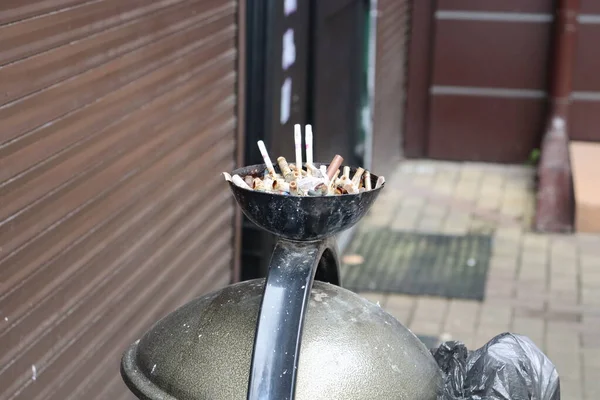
point(280, 321)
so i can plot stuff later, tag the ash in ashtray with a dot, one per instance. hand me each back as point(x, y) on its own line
point(305, 180)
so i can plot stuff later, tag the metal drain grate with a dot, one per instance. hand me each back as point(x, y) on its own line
point(419, 264)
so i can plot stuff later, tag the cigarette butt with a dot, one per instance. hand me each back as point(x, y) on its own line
point(323, 170)
point(266, 158)
point(280, 185)
point(285, 169)
point(293, 167)
point(349, 187)
point(367, 177)
point(380, 182)
point(346, 172)
point(357, 175)
point(344, 180)
point(249, 180)
point(321, 189)
point(239, 182)
point(331, 187)
point(268, 184)
point(294, 191)
point(334, 165)
point(227, 176)
point(258, 185)
point(308, 140)
point(297, 175)
point(316, 172)
point(298, 145)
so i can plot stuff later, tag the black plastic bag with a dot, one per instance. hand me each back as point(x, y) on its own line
point(508, 367)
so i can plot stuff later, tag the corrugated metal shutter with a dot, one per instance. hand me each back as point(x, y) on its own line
point(390, 82)
point(117, 118)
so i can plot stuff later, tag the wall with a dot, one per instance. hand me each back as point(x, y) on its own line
point(585, 106)
point(117, 119)
point(390, 83)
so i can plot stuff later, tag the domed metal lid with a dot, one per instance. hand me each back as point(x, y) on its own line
point(351, 349)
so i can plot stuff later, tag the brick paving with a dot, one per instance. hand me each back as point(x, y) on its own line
point(544, 286)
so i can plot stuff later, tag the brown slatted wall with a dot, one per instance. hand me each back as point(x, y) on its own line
point(390, 83)
point(117, 118)
point(488, 82)
point(585, 106)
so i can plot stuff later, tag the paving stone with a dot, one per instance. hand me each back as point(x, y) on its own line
point(531, 299)
point(375, 297)
point(501, 274)
point(568, 365)
point(503, 247)
point(590, 297)
point(426, 328)
point(591, 383)
point(401, 307)
point(590, 280)
point(429, 315)
point(564, 283)
point(504, 262)
point(435, 210)
point(404, 221)
point(533, 273)
point(499, 289)
point(482, 336)
point(590, 341)
point(429, 225)
point(571, 389)
point(535, 242)
point(546, 287)
point(495, 316)
point(509, 233)
point(589, 263)
point(567, 343)
point(591, 358)
point(455, 226)
point(563, 266)
point(533, 327)
point(534, 257)
point(462, 317)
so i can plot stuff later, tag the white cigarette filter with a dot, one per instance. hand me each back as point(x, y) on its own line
point(281, 185)
point(240, 182)
point(380, 182)
point(285, 169)
point(314, 171)
point(265, 156)
point(368, 180)
point(323, 170)
point(298, 145)
point(350, 188)
point(268, 182)
point(357, 175)
point(346, 172)
point(259, 185)
point(294, 191)
point(308, 139)
point(308, 183)
point(227, 176)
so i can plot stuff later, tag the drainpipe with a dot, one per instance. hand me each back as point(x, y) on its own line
point(554, 197)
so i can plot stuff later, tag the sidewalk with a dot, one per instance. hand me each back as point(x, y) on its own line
point(544, 286)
